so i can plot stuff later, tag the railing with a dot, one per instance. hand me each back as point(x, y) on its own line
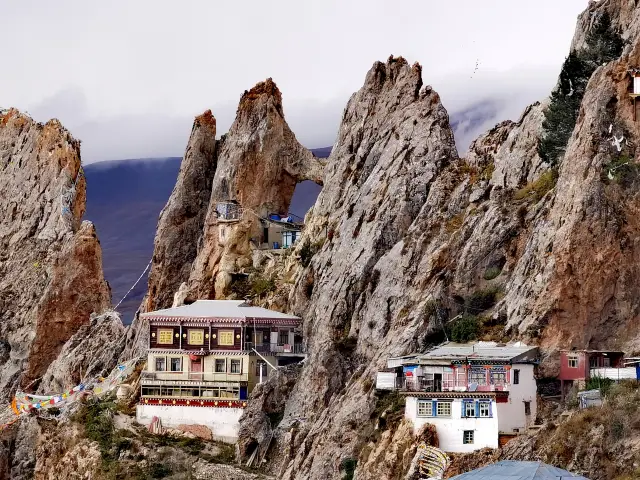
point(423, 384)
point(188, 377)
point(296, 348)
point(624, 373)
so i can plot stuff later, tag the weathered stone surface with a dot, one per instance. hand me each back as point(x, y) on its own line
point(50, 266)
point(182, 219)
point(91, 352)
point(268, 400)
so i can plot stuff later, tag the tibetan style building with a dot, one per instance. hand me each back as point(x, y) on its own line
point(477, 395)
point(205, 358)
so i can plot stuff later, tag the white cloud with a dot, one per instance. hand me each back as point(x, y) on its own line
point(128, 77)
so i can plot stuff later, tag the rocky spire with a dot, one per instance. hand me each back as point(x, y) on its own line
point(257, 164)
point(182, 219)
point(51, 276)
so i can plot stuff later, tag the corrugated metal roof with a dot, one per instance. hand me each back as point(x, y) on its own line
point(481, 350)
point(219, 309)
point(515, 470)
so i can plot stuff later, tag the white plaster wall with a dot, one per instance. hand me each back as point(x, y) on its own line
point(223, 422)
point(511, 415)
point(450, 430)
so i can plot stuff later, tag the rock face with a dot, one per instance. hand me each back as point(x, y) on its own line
point(182, 219)
point(50, 264)
point(257, 165)
point(92, 351)
point(405, 236)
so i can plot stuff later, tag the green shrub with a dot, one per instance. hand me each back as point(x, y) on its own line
point(465, 329)
point(306, 254)
point(603, 384)
point(539, 187)
point(159, 470)
point(603, 44)
point(483, 299)
point(491, 273)
point(349, 468)
point(261, 285)
point(621, 170)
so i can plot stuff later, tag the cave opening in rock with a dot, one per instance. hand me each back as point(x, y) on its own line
point(304, 196)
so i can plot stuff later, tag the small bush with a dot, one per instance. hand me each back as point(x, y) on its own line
point(367, 383)
point(308, 250)
point(159, 470)
point(349, 468)
point(487, 171)
point(537, 189)
point(491, 273)
point(261, 285)
point(622, 170)
point(465, 329)
point(483, 299)
point(603, 384)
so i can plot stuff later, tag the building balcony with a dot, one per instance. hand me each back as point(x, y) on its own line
point(277, 349)
point(192, 378)
point(624, 373)
point(422, 384)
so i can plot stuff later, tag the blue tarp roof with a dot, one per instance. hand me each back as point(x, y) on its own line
point(514, 470)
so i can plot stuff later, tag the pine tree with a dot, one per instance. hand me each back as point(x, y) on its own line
point(603, 44)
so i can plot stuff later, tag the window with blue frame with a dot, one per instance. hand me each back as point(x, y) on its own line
point(476, 408)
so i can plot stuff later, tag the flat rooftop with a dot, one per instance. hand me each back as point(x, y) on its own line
point(212, 309)
point(515, 470)
point(451, 351)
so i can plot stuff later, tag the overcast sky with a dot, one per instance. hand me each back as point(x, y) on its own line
point(127, 77)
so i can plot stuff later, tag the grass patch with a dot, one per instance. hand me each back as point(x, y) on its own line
point(454, 223)
point(537, 189)
point(491, 273)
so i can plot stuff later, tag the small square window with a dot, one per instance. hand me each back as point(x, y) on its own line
point(221, 365)
point(236, 366)
point(573, 362)
point(226, 337)
point(196, 337)
point(485, 409)
point(516, 377)
point(176, 364)
point(469, 409)
point(425, 408)
point(467, 437)
point(444, 409)
point(165, 336)
point(161, 364)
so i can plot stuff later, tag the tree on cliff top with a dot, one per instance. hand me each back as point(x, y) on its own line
point(603, 44)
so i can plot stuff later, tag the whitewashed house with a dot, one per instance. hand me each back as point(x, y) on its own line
point(476, 395)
